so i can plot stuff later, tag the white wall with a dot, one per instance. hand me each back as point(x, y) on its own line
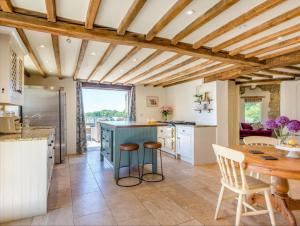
point(290, 99)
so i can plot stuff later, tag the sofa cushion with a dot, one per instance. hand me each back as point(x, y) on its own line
point(246, 126)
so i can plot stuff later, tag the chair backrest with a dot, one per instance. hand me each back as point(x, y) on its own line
point(260, 140)
point(231, 166)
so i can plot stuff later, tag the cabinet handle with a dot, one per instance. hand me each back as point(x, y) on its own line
point(52, 141)
point(49, 145)
point(50, 157)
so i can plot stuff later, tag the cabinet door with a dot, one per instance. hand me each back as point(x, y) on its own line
point(186, 146)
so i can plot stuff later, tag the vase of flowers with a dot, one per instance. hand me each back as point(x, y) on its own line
point(165, 111)
point(283, 128)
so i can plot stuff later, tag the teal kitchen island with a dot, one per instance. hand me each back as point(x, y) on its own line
point(114, 133)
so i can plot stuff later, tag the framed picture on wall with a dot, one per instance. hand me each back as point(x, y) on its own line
point(152, 101)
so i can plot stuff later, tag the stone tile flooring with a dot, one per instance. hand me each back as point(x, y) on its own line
point(83, 192)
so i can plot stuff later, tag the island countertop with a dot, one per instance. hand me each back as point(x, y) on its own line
point(128, 124)
point(33, 133)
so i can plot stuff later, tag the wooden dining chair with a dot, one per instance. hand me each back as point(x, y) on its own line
point(233, 178)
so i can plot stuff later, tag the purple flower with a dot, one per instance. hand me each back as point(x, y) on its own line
point(282, 120)
point(293, 126)
point(271, 124)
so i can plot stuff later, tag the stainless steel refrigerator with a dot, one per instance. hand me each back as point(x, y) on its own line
point(46, 106)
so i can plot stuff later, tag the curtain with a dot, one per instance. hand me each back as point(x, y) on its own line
point(132, 105)
point(80, 122)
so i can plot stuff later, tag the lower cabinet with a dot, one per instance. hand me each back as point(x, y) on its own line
point(166, 136)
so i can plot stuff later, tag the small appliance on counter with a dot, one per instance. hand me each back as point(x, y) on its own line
point(10, 124)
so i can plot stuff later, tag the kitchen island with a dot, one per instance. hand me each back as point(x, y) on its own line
point(115, 133)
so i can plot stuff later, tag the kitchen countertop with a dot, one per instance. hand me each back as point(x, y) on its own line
point(127, 124)
point(33, 133)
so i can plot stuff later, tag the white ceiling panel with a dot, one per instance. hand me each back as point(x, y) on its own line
point(118, 53)
point(270, 14)
point(183, 19)
point(93, 53)
point(152, 11)
point(111, 12)
point(135, 60)
point(74, 10)
point(41, 44)
point(69, 52)
point(28, 64)
point(278, 50)
point(228, 15)
point(34, 5)
point(270, 31)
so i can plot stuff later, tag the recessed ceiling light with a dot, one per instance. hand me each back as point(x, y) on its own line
point(68, 40)
point(134, 59)
point(93, 53)
point(190, 12)
point(279, 38)
point(42, 46)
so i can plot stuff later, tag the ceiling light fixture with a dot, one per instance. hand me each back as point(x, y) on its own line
point(93, 53)
point(280, 38)
point(190, 12)
point(42, 46)
point(134, 59)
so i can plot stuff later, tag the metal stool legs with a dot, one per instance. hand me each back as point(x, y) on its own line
point(129, 171)
point(161, 175)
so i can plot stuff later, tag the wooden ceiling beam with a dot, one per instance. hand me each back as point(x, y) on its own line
point(83, 46)
point(6, 6)
point(168, 70)
point(260, 28)
point(167, 18)
point(283, 73)
point(92, 13)
point(260, 75)
point(123, 60)
point(108, 35)
point(102, 60)
point(195, 73)
point(55, 44)
point(293, 68)
point(31, 53)
point(266, 39)
point(281, 52)
point(265, 80)
point(138, 66)
point(245, 78)
point(133, 11)
point(275, 46)
point(263, 7)
point(204, 18)
point(51, 10)
point(163, 63)
point(181, 73)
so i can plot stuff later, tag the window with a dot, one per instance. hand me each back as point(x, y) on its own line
point(253, 112)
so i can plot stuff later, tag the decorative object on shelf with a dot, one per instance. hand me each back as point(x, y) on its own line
point(204, 104)
point(152, 101)
point(165, 111)
point(285, 131)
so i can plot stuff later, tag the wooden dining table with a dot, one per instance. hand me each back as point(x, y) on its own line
point(282, 170)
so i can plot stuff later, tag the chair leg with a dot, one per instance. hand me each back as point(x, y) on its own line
point(239, 210)
point(270, 208)
point(219, 202)
point(245, 200)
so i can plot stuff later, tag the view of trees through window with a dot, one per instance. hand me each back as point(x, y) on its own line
point(252, 112)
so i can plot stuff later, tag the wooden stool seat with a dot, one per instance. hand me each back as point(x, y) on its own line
point(152, 145)
point(129, 147)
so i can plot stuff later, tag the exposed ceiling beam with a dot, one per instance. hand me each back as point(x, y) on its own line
point(281, 52)
point(6, 6)
point(168, 70)
point(245, 78)
point(260, 28)
point(293, 68)
point(263, 7)
point(55, 44)
point(163, 63)
point(102, 60)
point(51, 10)
point(133, 11)
point(140, 65)
point(181, 73)
point(31, 53)
point(260, 75)
point(265, 39)
point(108, 35)
point(195, 73)
point(275, 46)
point(284, 60)
point(92, 13)
point(283, 73)
point(83, 46)
point(203, 76)
point(123, 60)
point(265, 80)
point(204, 18)
point(167, 18)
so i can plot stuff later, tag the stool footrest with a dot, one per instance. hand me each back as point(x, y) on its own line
point(158, 180)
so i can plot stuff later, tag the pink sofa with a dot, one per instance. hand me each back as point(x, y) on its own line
point(247, 130)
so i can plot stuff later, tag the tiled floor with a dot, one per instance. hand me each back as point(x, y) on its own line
point(83, 192)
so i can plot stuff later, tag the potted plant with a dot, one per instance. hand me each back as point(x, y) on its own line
point(165, 111)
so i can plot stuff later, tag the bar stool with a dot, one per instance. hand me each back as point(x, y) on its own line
point(129, 148)
point(152, 145)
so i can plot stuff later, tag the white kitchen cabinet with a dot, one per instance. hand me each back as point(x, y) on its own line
point(12, 71)
point(166, 136)
point(194, 143)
